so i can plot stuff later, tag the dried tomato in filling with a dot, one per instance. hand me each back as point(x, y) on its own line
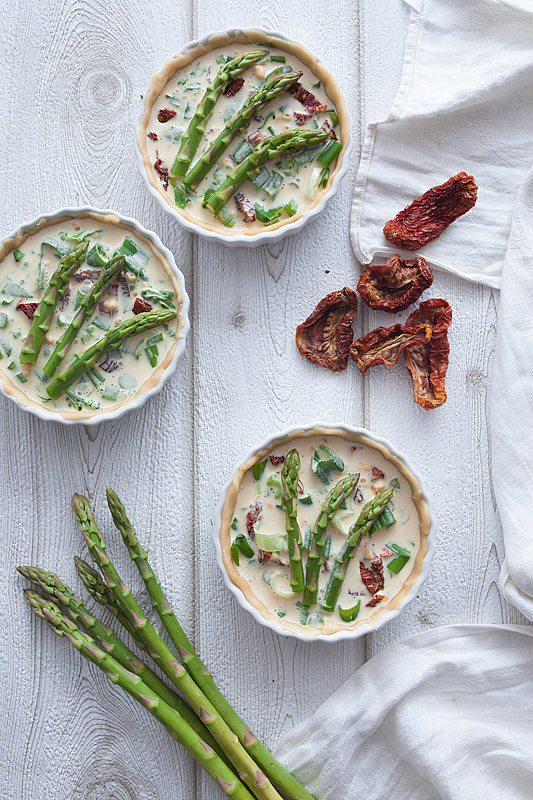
point(326, 335)
point(393, 286)
point(428, 362)
point(385, 345)
point(428, 216)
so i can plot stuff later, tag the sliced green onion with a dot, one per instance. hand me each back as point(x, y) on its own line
point(271, 542)
point(12, 289)
point(180, 198)
point(261, 178)
point(329, 153)
point(244, 546)
point(306, 499)
point(397, 564)
point(349, 614)
point(110, 392)
point(225, 217)
point(97, 256)
point(334, 116)
point(152, 353)
point(384, 520)
point(276, 485)
point(273, 185)
point(324, 177)
point(18, 254)
point(322, 467)
point(313, 183)
point(157, 337)
point(234, 524)
point(258, 469)
point(395, 482)
point(3, 319)
point(281, 59)
point(241, 152)
point(235, 553)
point(396, 548)
point(271, 114)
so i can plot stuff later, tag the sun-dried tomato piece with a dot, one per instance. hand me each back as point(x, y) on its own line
point(244, 205)
point(233, 87)
point(384, 345)
point(301, 119)
point(263, 555)
point(377, 474)
point(87, 275)
point(373, 577)
point(326, 335)
point(255, 137)
point(277, 460)
point(163, 171)
point(428, 216)
point(306, 98)
point(428, 362)
point(108, 365)
point(358, 496)
point(375, 600)
point(395, 285)
point(153, 136)
point(140, 306)
point(27, 308)
point(251, 518)
point(165, 114)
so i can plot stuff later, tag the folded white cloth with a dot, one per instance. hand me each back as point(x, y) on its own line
point(464, 105)
point(444, 715)
point(512, 407)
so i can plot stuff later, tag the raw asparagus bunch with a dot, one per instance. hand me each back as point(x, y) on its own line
point(203, 678)
point(337, 495)
point(361, 526)
point(226, 779)
point(58, 591)
point(265, 151)
point(289, 502)
point(87, 307)
point(44, 312)
point(255, 779)
point(274, 86)
point(192, 136)
point(112, 339)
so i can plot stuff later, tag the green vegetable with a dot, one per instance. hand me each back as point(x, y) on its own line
point(17, 255)
point(57, 288)
point(242, 151)
point(234, 524)
point(289, 141)
point(112, 339)
point(135, 258)
point(334, 116)
point(322, 467)
point(340, 492)
point(59, 246)
point(243, 545)
point(385, 520)
point(306, 500)
point(289, 478)
point(196, 129)
point(349, 614)
point(97, 256)
point(362, 525)
point(163, 297)
point(4, 319)
point(85, 310)
point(273, 185)
point(271, 542)
point(397, 564)
point(152, 353)
point(12, 289)
point(329, 153)
point(258, 469)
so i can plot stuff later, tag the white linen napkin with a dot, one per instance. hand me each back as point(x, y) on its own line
point(444, 715)
point(463, 105)
point(512, 407)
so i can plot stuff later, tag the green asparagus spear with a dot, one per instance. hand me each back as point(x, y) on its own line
point(289, 502)
point(192, 136)
point(108, 275)
point(40, 324)
point(226, 779)
point(361, 526)
point(112, 339)
point(57, 590)
point(287, 142)
point(274, 86)
point(318, 535)
point(256, 780)
point(272, 768)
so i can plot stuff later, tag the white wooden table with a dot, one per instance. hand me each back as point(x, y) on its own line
point(72, 73)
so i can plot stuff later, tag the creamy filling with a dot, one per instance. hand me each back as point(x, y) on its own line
point(117, 376)
point(268, 576)
point(288, 183)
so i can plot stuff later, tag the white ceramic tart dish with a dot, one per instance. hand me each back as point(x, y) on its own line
point(381, 574)
point(287, 191)
point(146, 283)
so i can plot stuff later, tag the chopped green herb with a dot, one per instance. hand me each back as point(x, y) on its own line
point(306, 499)
point(395, 482)
point(234, 524)
point(17, 255)
point(21, 377)
point(271, 114)
point(322, 467)
point(258, 469)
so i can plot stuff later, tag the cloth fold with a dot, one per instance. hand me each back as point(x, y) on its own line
point(463, 105)
point(444, 715)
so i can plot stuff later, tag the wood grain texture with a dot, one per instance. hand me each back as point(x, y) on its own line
point(73, 71)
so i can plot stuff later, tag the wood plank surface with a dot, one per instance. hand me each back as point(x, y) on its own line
point(73, 71)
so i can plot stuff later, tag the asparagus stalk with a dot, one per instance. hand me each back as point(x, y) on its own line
point(44, 312)
point(289, 502)
point(112, 339)
point(252, 105)
point(57, 590)
point(287, 142)
point(318, 534)
point(87, 307)
point(256, 780)
point(272, 768)
point(361, 526)
point(192, 136)
point(228, 782)
point(96, 587)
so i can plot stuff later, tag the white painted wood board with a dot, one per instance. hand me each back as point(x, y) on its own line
point(72, 73)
